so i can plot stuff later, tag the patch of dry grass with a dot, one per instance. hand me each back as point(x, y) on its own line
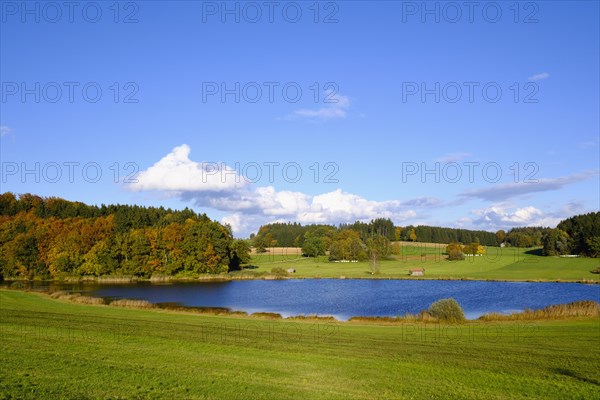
point(312, 317)
point(129, 303)
point(77, 298)
point(420, 317)
point(267, 315)
point(560, 311)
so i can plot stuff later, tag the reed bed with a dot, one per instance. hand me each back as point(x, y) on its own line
point(407, 318)
point(77, 298)
point(116, 279)
point(559, 311)
point(312, 317)
point(129, 303)
point(267, 315)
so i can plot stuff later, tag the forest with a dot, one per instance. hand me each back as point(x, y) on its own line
point(55, 238)
point(294, 234)
point(52, 238)
point(578, 235)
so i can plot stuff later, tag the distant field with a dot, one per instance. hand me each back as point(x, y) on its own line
point(498, 263)
point(50, 349)
point(280, 251)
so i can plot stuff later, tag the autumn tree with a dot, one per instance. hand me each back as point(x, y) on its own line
point(378, 248)
point(500, 236)
point(347, 246)
point(412, 235)
point(455, 252)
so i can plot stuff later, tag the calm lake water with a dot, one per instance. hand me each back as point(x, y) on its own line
point(352, 297)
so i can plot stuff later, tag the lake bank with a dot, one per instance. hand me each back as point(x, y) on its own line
point(497, 265)
point(341, 299)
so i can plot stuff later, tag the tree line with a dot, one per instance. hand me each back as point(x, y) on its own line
point(295, 234)
point(54, 238)
point(579, 235)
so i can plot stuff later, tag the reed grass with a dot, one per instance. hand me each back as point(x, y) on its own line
point(311, 317)
point(76, 298)
point(423, 316)
point(267, 315)
point(576, 309)
point(129, 303)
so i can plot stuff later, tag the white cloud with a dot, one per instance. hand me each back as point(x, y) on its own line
point(520, 216)
point(237, 222)
point(249, 207)
point(177, 173)
point(501, 217)
point(335, 109)
point(267, 204)
point(539, 77)
point(506, 216)
point(5, 130)
point(340, 206)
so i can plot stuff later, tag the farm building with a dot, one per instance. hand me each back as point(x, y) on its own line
point(416, 272)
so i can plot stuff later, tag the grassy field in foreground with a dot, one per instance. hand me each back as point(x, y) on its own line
point(498, 263)
point(57, 350)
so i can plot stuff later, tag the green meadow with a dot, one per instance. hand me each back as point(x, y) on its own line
point(511, 263)
point(51, 349)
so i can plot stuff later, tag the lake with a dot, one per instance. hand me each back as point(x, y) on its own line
point(352, 297)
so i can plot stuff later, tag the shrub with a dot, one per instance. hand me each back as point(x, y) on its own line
point(76, 297)
point(455, 252)
point(267, 315)
point(279, 271)
point(18, 285)
point(59, 294)
point(447, 310)
point(131, 303)
point(88, 300)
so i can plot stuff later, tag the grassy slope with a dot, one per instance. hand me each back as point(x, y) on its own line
point(52, 349)
point(501, 264)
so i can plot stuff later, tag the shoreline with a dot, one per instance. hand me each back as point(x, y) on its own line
point(422, 317)
point(227, 278)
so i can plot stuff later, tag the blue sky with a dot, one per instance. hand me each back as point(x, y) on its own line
point(181, 94)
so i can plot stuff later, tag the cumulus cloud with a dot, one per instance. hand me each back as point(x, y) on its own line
point(539, 77)
point(511, 190)
point(250, 206)
point(340, 206)
point(506, 216)
point(497, 215)
point(328, 208)
point(335, 109)
point(501, 217)
point(177, 173)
